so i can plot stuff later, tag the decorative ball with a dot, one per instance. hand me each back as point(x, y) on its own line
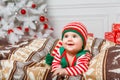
point(36, 22)
point(0, 18)
point(45, 26)
point(45, 10)
point(16, 13)
point(42, 18)
point(23, 11)
point(51, 28)
point(33, 6)
point(35, 36)
point(9, 31)
point(27, 29)
point(19, 27)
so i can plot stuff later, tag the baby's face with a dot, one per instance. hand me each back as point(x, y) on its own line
point(72, 42)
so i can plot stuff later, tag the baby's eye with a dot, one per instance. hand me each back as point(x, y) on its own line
point(74, 36)
point(66, 36)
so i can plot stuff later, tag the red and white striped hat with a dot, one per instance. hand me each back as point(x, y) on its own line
point(78, 28)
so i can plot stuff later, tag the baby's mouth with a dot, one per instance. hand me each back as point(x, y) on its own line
point(70, 44)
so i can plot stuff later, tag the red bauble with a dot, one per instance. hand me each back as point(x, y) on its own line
point(0, 18)
point(47, 19)
point(51, 28)
point(33, 6)
point(19, 27)
point(35, 36)
point(45, 26)
point(23, 11)
point(9, 31)
point(27, 29)
point(42, 18)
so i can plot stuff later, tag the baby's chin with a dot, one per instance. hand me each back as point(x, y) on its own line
point(71, 50)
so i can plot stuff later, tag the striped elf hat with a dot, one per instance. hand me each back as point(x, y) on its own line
point(78, 28)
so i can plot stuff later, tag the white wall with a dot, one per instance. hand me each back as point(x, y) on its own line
point(97, 15)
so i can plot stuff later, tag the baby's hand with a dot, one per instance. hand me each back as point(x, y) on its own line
point(59, 71)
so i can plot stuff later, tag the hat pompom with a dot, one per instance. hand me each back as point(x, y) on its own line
point(49, 59)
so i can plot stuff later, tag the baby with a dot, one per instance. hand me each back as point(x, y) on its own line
point(71, 58)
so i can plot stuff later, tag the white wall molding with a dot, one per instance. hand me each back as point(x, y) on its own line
point(69, 2)
point(91, 21)
point(92, 5)
point(97, 15)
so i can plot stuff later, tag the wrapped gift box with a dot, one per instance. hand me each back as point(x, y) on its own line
point(114, 35)
point(116, 27)
point(110, 36)
point(116, 30)
point(117, 38)
point(91, 34)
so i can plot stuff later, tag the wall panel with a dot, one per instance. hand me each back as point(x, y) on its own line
point(97, 16)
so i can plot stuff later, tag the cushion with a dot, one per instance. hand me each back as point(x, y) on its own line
point(101, 61)
point(26, 61)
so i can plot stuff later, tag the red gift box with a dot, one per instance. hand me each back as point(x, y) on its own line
point(117, 38)
point(116, 27)
point(114, 35)
point(110, 36)
point(116, 30)
point(90, 34)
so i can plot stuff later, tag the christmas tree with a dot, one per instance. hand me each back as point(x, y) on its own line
point(20, 18)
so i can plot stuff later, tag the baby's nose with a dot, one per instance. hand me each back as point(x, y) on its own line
point(70, 38)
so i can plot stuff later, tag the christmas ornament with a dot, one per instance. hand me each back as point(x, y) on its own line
point(23, 11)
point(45, 26)
point(23, 18)
point(33, 5)
point(42, 18)
point(10, 31)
